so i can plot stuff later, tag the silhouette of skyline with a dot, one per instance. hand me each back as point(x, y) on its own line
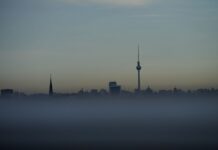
point(114, 89)
point(88, 44)
point(108, 74)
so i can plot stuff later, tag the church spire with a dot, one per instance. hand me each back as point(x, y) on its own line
point(50, 87)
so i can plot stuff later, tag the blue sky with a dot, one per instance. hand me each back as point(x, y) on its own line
point(85, 44)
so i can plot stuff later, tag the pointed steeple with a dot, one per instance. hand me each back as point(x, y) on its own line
point(50, 87)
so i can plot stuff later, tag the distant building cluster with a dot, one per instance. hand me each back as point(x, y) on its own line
point(7, 92)
point(116, 90)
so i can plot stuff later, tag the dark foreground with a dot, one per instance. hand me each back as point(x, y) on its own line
point(109, 124)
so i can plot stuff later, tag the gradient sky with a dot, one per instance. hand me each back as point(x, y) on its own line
point(86, 43)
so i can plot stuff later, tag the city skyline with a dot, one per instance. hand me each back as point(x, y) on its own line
point(87, 44)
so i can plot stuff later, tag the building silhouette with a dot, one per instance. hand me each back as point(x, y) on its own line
point(148, 91)
point(50, 87)
point(138, 68)
point(114, 89)
point(94, 92)
point(7, 92)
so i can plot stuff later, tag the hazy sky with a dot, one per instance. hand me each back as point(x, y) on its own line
point(86, 43)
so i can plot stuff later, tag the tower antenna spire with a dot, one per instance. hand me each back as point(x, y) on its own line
point(138, 53)
point(138, 68)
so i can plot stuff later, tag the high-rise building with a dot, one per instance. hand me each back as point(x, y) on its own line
point(138, 68)
point(50, 87)
point(114, 89)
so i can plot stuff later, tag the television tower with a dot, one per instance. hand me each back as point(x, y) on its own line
point(50, 87)
point(138, 68)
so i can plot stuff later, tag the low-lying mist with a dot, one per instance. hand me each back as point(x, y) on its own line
point(68, 123)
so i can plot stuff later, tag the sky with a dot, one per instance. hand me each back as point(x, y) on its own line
point(87, 43)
